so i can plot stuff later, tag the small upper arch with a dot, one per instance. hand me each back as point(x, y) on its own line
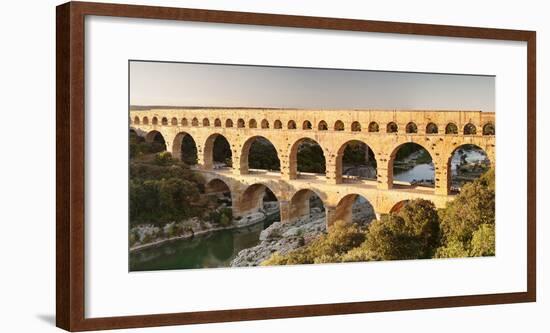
point(322, 126)
point(240, 123)
point(391, 127)
point(469, 129)
point(174, 121)
point(155, 121)
point(451, 128)
point(228, 123)
point(195, 122)
point(291, 124)
point(184, 122)
point(306, 125)
point(489, 129)
point(373, 127)
point(410, 128)
point(205, 122)
point(356, 126)
point(252, 123)
point(278, 124)
point(164, 121)
point(431, 128)
point(145, 120)
point(265, 124)
point(217, 122)
point(339, 125)
point(136, 120)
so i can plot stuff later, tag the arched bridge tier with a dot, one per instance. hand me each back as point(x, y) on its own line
point(439, 132)
point(247, 192)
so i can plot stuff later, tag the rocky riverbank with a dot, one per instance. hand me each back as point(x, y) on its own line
point(283, 238)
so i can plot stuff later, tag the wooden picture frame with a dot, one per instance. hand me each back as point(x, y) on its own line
point(70, 191)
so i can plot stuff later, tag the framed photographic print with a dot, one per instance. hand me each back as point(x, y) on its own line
point(222, 166)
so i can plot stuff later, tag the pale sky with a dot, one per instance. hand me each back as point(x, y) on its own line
point(189, 84)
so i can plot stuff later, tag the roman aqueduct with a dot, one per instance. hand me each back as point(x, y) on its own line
point(441, 133)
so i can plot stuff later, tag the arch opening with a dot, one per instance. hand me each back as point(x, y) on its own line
point(217, 152)
point(307, 206)
point(220, 190)
point(431, 128)
point(217, 122)
point(354, 208)
point(356, 126)
point(391, 127)
point(265, 124)
point(451, 128)
point(339, 125)
point(252, 123)
point(411, 165)
point(260, 154)
point(467, 163)
point(306, 125)
point(195, 122)
point(489, 129)
point(373, 127)
point(322, 126)
point(205, 122)
point(356, 161)
point(307, 157)
point(291, 125)
point(136, 120)
point(174, 121)
point(184, 148)
point(164, 121)
point(278, 124)
point(240, 123)
point(145, 120)
point(469, 129)
point(157, 141)
point(411, 128)
point(260, 199)
point(228, 123)
point(155, 121)
point(184, 122)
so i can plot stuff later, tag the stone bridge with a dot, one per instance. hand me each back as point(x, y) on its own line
point(441, 133)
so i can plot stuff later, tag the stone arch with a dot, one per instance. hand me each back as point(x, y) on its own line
point(398, 206)
point(217, 122)
point(431, 128)
point(174, 121)
point(373, 127)
point(489, 129)
point(356, 126)
point(228, 123)
point(217, 149)
point(205, 122)
point(184, 122)
point(184, 148)
point(411, 128)
point(155, 121)
point(323, 126)
point(278, 124)
point(306, 125)
point(164, 121)
point(339, 125)
point(240, 123)
point(451, 128)
point(252, 198)
point(136, 120)
point(300, 204)
point(368, 162)
point(294, 157)
point(195, 122)
point(391, 127)
point(424, 171)
point(219, 188)
point(458, 162)
point(350, 204)
point(291, 124)
point(156, 138)
point(145, 120)
point(246, 150)
point(265, 124)
point(469, 129)
point(252, 123)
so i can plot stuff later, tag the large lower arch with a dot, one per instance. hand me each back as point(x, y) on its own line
point(184, 148)
point(411, 165)
point(466, 163)
point(264, 154)
point(257, 197)
point(157, 140)
point(355, 160)
point(217, 152)
point(306, 203)
point(353, 208)
point(219, 188)
point(306, 156)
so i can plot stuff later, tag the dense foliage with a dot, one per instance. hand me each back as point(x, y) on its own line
point(465, 228)
point(161, 188)
point(311, 157)
point(263, 155)
point(355, 154)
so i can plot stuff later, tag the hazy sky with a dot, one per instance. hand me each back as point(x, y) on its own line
point(187, 84)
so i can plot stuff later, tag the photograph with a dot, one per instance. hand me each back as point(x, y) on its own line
point(243, 165)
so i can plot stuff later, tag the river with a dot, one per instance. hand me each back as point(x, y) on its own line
point(213, 250)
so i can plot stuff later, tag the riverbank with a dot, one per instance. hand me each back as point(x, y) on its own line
point(195, 228)
point(283, 238)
